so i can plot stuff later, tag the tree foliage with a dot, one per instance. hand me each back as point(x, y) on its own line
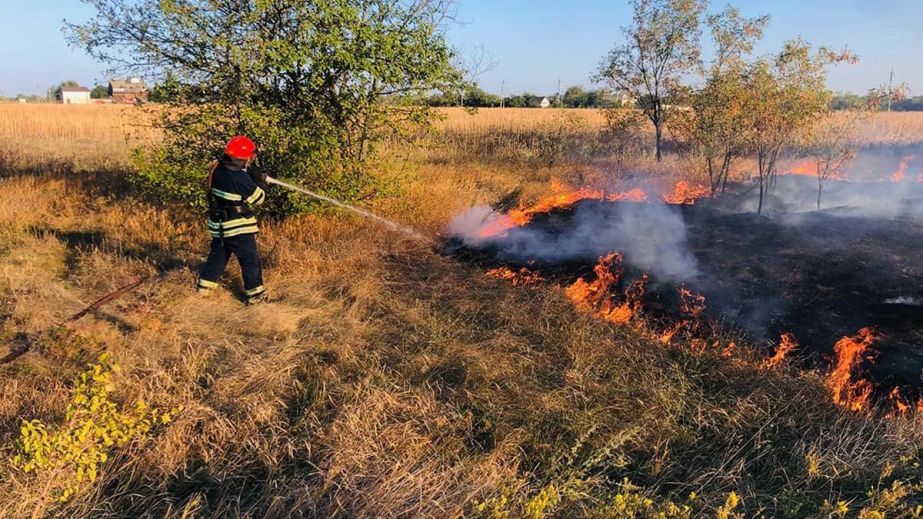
point(786, 94)
point(886, 95)
point(659, 47)
point(316, 84)
point(831, 144)
point(55, 91)
point(720, 105)
point(471, 96)
point(99, 92)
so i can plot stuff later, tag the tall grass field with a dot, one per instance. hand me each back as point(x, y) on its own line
point(385, 379)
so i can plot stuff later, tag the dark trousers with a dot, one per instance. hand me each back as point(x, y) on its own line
point(244, 247)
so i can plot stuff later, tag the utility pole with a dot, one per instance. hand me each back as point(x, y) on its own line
point(560, 101)
point(890, 88)
point(502, 93)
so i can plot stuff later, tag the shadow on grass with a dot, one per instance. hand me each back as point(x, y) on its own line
point(107, 181)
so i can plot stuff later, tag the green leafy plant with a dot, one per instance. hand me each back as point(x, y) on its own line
point(319, 86)
point(93, 426)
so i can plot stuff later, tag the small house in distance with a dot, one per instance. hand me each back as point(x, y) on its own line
point(77, 95)
point(130, 91)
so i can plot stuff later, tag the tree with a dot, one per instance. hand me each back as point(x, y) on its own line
point(719, 117)
point(888, 93)
point(474, 63)
point(162, 92)
point(831, 143)
point(622, 131)
point(317, 84)
point(473, 95)
point(661, 45)
point(575, 97)
point(523, 100)
point(787, 94)
point(848, 101)
point(55, 91)
point(99, 92)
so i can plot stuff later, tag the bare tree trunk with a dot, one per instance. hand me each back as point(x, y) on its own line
point(761, 166)
point(712, 181)
point(820, 188)
point(658, 131)
point(759, 209)
point(725, 171)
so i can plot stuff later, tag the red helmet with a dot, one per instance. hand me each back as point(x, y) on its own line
point(240, 147)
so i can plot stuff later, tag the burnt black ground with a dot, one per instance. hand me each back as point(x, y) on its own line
point(820, 275)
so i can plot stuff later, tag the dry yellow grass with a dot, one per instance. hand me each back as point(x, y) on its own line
point(90, 133)
point(384, 380)
point(512, 119)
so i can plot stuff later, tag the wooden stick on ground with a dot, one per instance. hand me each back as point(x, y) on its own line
point(107, 298)
point(27, 339)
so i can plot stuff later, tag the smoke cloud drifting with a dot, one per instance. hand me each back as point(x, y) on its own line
point(652, 237)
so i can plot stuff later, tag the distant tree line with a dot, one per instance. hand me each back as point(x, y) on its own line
point(851, 101)
point(476, 97)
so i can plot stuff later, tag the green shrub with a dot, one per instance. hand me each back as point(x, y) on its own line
point(69, 455)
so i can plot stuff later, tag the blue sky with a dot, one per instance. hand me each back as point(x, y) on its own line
point(533, 42)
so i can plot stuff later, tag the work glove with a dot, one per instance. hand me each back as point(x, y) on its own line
point(258, 176)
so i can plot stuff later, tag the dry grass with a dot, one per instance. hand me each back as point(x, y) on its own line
point(90, 134)
point(385, 380)
point(511, 119)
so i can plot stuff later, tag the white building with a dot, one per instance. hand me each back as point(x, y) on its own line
point(75, 95)
point(545, 103)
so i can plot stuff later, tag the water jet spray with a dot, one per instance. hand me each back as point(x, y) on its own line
point(361, 212)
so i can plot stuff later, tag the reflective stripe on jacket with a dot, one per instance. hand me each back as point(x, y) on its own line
point(232, 192)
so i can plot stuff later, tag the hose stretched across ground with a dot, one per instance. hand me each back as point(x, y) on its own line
point(361, 212)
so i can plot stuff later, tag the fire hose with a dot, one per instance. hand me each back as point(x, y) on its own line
point(361, 212)
point(26, 340)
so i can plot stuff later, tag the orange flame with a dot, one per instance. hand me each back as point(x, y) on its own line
point(901, 173)
point(587, 294)
point(596, 296)
point(810, 168)
point(807, 168)
point(523, 277)
point(786, 345)
point(560, 198)
point(671, 332)
point(690, 303)
point(729, 350)
point(634, 195)
point(685, 193)
point(847, 392)
point(901, 407)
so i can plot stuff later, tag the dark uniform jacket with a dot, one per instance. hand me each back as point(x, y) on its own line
point(232, 192)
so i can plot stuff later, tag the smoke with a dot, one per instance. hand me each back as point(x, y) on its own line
point(879, 183)
point(652, 237)
point(797, 195)
point(817, 274)
point(904, 300)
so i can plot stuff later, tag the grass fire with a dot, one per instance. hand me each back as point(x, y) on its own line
point(697, 273)
point(318, 259)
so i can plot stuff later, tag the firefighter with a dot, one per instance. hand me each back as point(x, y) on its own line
point(232, 193)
